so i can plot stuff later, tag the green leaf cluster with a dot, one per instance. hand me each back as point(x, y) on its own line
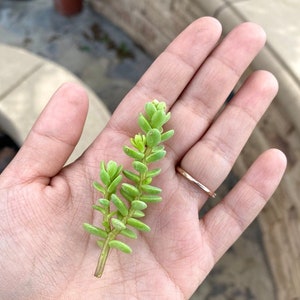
point(123, 204)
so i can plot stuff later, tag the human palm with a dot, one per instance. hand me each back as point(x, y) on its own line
point(45, 253)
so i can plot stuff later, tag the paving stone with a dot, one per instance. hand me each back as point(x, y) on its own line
point(12, 74)
point(21, 106)
point(75, 43)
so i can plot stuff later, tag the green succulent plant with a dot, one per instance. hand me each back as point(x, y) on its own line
point(123, 204)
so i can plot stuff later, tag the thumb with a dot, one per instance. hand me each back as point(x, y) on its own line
point(52, 138)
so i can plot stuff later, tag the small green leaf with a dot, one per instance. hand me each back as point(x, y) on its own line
point(138, 214)
point(158, 148)
point(150, 189)
point(133, 153)
point(168, 117)
point(129, 233)
point(112, 168)
point(154, 172)
point(99, 187)
point(150, 198)
point(120, 246)
point(158, 119)
point(147, 180)
point(111, 214)
point(126, 196)
point(104, 177)
point(138, 205)
point(94, 230)
point(153, 137)
point(138, 224)
point(106, 224)
point(119, 204)
point(161, 105)
point(119, 169)
point(150, 109)
point(99, 208)
point(131, 176)
point(139, 142)
point(140, 167)
point(144, 124)
point(155, 156)
point(100, 243)
point(104, 202)
point(118, 224)
point(138, 138)
point(113, 186)
point(167, 135)
point(130, 189)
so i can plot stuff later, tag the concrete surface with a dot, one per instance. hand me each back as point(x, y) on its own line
point(87, 45)
point(83, 48)
point(25, 90)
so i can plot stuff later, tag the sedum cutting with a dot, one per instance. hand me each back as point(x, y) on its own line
point(122, 205)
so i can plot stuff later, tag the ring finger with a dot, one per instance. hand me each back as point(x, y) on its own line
point(210, 160)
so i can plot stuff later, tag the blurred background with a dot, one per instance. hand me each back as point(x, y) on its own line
point(107, 46)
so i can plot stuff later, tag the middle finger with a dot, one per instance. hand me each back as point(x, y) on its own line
point(193, 113)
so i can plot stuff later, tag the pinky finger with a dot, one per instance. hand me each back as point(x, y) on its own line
point(223, 224)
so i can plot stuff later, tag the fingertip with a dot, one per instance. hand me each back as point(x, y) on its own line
point(211, 24)
point(255, 30)
point(263, 83)
point(250, 34)
point(211, 21)
point(73, 91)
point(267, 171)
point(56, 132)
point(271, 81)
point(277, 158)
point(201, 33)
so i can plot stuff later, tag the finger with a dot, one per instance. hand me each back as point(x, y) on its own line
point(210, 87)
point(211, 159)
point(171, 71)
point(223, 224)
point(53, 137)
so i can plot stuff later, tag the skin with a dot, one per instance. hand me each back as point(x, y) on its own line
point(45, 253)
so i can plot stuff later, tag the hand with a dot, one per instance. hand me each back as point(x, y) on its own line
point(45, 253)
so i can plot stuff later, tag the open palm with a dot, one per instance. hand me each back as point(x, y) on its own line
point(45, 253)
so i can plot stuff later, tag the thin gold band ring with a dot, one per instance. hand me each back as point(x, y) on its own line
point(192, 179)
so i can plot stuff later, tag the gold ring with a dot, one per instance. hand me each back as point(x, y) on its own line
point(192, 179)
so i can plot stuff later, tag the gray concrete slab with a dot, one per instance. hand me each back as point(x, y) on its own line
point(88, 45)
point(56, 49)
point(14, 72)
point(28, 89)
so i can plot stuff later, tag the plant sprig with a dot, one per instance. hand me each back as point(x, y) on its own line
point(123, 204)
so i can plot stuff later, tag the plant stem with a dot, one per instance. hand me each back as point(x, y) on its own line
point(106, 248)
point(104, 253)
point(102, 259)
